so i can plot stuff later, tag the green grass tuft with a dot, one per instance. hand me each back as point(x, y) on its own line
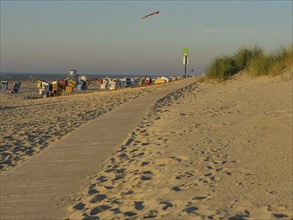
point(254, 60)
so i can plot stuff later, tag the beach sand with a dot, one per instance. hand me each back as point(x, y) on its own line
point(208, 151)
point(29, 123)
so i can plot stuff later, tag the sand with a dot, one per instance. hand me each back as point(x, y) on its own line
point(29, 124)
point(208, 151)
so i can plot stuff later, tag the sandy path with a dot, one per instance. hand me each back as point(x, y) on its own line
point(39, 188)
point(30, 124)
point(212, 151)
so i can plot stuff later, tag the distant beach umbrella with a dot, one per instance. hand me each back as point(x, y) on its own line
point(154, 13)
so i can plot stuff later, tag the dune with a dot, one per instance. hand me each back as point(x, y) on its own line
point(207, 151)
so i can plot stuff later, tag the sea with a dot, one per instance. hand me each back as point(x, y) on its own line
point(56, 76)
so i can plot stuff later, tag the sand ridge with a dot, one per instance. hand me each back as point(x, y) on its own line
point(208, 151)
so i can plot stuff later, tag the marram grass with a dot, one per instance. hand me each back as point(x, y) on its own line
point(253, 60)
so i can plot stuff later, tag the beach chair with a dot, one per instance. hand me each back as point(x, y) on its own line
point(135, 82)
point(39, 84)
point(128, 82)
point(61, 84)
point(112, 85)
point(88, 82)
point(4, 86)
point(140, 81)
point(81, 85)
point(72, 83)
point(44, 90)
point(16, 87)
point(56, 89)
point(123, 83)
point(118, 84)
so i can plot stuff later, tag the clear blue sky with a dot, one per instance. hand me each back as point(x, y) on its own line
point(110, 37)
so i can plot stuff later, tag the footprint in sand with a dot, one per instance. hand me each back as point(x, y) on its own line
point(79, 206)
point(191, 209)
point(202, 197)
point(138, 205)
point(129, 214)
point(98, 198)
point(93, 191)
point(145, 177)
point(176, 188)
point(145, 163)
point(102, 179)
point(99, 209)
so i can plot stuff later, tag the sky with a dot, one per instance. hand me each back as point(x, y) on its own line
point(109, 37)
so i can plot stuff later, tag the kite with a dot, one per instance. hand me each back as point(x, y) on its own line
point(154, 13)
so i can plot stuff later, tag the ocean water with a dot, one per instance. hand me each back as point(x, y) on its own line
point(26, 76)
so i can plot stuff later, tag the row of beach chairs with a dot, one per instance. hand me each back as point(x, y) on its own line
point(112, 83)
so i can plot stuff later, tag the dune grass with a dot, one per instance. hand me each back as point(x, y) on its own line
point(253, 60)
